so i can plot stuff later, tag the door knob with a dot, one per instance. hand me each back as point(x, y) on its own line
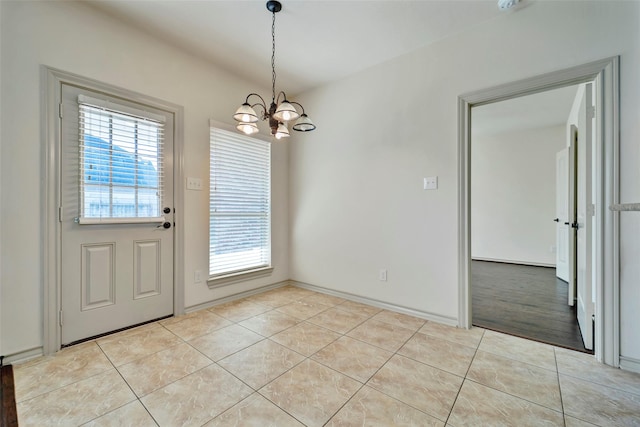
point(557, 220)
point(166, 224)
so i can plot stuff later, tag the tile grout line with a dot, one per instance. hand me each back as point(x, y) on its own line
point(395, 353)
point(464, 379)
point(564, 416)
point(367, 381)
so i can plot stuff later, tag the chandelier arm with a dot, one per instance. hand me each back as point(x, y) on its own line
point(298, 104)
point(261, 98)
point(284, 95)
point(264, 109)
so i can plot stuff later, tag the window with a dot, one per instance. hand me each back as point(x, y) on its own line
point(239, 204)
point(120, 163)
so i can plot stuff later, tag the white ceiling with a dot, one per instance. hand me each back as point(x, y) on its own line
point(322, 41)
point(316, 41)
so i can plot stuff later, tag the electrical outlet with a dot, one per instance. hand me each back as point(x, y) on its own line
point(430, 183)
point(382, 275)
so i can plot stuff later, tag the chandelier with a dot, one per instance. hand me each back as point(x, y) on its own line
point(279, 113)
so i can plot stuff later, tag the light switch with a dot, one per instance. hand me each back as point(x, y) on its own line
point(194, 183)
point(431, 183)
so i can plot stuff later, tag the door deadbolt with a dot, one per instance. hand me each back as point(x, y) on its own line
point(166, 210)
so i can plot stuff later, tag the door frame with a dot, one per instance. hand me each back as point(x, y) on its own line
point(562, 180)
point(51, 82)
point(606, 233)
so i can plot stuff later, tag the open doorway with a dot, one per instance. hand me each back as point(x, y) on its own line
point(605, 218)
point(523, 179)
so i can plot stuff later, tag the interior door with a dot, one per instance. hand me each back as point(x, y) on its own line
point(116, 214)
point(584, 221)
point(562, 215)
point(571, 231)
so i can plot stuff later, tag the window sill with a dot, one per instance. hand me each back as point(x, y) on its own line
point(229, 279)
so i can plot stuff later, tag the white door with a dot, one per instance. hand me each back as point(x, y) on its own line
point(572, 217)
point(116, 200)
point(562, 215)
point(586, 307)
point(565, 215)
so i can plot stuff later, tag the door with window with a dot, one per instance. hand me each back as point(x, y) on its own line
point(116, 213)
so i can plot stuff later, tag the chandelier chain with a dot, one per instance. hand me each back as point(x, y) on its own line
point(273, 57)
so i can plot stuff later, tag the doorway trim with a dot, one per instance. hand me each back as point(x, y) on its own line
point(606, 231)
point(51, 83)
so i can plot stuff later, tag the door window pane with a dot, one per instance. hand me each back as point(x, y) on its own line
point(120, 164)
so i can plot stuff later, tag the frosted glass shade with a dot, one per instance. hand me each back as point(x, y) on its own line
point(282, 131)
point(304, 124)
point(247, 128)
point(285, 112)
point(246, 114)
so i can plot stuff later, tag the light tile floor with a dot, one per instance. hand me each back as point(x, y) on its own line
point(292, 357)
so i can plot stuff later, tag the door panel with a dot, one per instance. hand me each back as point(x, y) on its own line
point(97, 286)
point(114, 274)
point(147, 268)
point(585, 309)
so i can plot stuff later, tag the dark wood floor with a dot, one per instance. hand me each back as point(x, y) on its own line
point(9, 416)
point(526, 301)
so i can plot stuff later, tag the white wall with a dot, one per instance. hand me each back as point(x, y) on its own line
point(72, 36)
point(356, 198)
point(513, 195)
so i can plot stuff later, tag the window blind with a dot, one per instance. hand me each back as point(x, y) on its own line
point(121, 168)
point(239, 203)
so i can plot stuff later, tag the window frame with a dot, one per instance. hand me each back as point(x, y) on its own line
point(110, 110)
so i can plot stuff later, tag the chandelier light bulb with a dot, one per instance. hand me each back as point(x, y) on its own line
point(285, 112)
point(246, 114)
point(282, 131)
point(247, 128)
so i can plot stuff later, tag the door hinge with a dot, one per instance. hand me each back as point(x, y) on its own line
point(60, 316)
point(60, 110)
point(59, 213)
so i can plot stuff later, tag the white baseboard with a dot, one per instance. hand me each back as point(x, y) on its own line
point(450, 321)
point(630, 364)
point(23, 356)
point(510, 261)
point(234, 297)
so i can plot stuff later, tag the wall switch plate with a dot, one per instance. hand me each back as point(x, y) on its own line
point(197, 276)
point(431, 183)
point(382, 275)
point(194, 183)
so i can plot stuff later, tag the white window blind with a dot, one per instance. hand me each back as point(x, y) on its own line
point(239, 203)
point(121, 171)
